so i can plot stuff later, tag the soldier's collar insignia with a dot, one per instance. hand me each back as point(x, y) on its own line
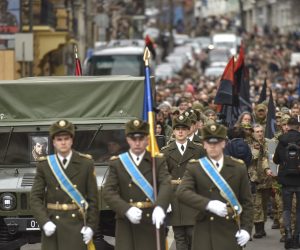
point(181, 117)
point(136, 123)
point(213, 128)
point(186, 113)
point(62, 123)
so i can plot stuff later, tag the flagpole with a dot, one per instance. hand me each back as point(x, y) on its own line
point(152, 147)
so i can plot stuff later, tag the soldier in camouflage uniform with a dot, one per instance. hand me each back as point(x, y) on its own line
point(261, 180)
point(260, 114)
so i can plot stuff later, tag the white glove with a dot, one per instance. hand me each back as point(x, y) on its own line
point(87, 234)
point(134, 214)
point(49, 228)
point(169, 209)
point(242, 237)
point(217, 207)
point(158, 216)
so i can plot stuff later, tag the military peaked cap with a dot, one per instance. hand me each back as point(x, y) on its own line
point(181, 121)
point(214, 133)
point(61, 126)
point(135, 128)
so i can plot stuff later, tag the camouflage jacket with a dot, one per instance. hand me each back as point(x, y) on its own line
point(259, 165)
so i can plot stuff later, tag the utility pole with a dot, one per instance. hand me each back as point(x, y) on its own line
point(171, 20)
point(241, 5)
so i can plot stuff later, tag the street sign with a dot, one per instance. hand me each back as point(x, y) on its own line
point(24, 47)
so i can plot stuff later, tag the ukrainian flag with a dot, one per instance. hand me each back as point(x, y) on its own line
point(148, 114)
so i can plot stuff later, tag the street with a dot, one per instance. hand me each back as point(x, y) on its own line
point(270, 242)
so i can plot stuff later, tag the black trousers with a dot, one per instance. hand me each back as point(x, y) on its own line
point(183, 237)
point(287, 198)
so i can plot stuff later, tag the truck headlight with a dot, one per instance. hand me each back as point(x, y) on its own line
point(7, 201)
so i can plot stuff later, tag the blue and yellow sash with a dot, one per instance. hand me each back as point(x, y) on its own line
point(221, 184)
point(137, 176)
point(65, 183)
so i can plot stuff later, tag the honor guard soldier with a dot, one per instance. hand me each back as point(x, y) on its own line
point(64, 196)
point(128, 191)
point(178, 153)
point(218, 187)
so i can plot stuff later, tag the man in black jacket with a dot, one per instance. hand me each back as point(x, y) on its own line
point(289, 178)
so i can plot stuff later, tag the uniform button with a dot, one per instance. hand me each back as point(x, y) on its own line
point(130, 185)
point(73, 201)
point(131, 200)
point(73, 215)
point(227, 217)
point(57, 188)
point(211, 218)
point(147, 199)
point(75, 186)
point(148, 215)
point(57, 217)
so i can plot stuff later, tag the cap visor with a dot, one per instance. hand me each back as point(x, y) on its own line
point(213, 140)
point(136, 135)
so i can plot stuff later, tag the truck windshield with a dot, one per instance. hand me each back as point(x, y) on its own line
point(116, 65)
point(24, 148)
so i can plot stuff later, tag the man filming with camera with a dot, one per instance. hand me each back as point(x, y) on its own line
point(287, 155)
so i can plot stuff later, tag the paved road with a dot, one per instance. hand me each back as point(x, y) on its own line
point(270, 242)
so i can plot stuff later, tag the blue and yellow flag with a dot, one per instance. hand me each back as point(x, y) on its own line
point(148, 114)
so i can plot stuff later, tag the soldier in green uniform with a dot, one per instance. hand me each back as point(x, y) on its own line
point(128, 191)
point(59, 216)
point(215, 228)
point(193, 128)
point(178, 153)
point(261, 180)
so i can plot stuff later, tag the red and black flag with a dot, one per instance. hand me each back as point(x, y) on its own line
point(241, 76)
point(271, 119)
point(263, 93)
point(78, 70)
point(150, 45)
point(226, 90)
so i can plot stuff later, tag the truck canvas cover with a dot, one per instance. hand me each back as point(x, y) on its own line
point(38, 99)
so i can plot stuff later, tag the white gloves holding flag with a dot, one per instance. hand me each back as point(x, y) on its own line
point(158, 216)
point(49, 228)
point(134, 214)
point(217, 207)
point(242, 237)
point(87, 234)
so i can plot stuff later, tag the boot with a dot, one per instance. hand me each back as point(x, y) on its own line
point(258, 230)
point(275, 224)
point(295, 244)
point(288, 238)
point(263, 232)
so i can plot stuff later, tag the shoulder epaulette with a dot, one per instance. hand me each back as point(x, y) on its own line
point(86, 156)
point(165, 147)
point(114, 157)
point(237, 160)
point(193, 160)
point(42, 158)
point(159, 155)
point(198, 144)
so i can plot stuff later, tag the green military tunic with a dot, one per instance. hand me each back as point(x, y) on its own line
point(120, 190)
point(212, 232)
point(46, 189)
point(181, 213)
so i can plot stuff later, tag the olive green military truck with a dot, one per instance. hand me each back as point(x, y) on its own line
point(98, 106)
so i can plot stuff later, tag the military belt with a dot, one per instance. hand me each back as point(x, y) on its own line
point(63, 207)
point(176, 182)
point(142, 204)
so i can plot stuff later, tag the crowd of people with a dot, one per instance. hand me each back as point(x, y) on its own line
point(268, 58)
